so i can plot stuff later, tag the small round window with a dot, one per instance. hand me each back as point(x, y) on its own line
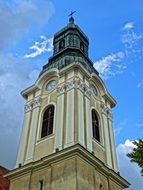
point(93, 90)
point(51, 85)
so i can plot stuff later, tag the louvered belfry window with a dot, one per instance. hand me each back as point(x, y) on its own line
point(62, 44)
point(95, 126)
point(48, 121)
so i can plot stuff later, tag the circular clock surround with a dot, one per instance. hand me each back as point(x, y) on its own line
point(51, 85)
point(93, 90)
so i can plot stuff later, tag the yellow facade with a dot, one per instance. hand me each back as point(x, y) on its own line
point(72, 121)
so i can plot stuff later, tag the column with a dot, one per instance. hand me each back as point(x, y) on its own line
point(59, 122)
point(24, 135)
point(33, 131)
point(81, 123)
point(112, 142)
point(88, 124)
point(69, 129)
point(107, 140)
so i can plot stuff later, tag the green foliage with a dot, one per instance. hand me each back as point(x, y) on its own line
point(137, 154)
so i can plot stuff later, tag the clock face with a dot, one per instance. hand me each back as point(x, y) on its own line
point(93, 90)
point(51, 85)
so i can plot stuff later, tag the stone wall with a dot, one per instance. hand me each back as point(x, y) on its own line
point(75, 169)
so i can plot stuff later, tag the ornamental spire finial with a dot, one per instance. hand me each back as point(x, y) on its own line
point(71, 19)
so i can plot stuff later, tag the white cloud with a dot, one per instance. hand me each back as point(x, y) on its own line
point(45, 45)
point(15, 75)
point(20, 17)
point(116, 63)
point(126, 147)
point(110, 65)
point(131, 40)
point(128, 26)
point(140, 84)
point(128, 170)
point(17, 18)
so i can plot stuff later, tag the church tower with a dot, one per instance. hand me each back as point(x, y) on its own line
point(67, 140)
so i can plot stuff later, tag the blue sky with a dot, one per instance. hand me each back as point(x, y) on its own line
point(115, 32)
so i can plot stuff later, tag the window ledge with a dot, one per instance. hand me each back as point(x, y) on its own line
point(45, 138)
point(98, 143)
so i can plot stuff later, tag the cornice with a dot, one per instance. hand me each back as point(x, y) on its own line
point(110, 99)
point(73, 151)
point(28, 90)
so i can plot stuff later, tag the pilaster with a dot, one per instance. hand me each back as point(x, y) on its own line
point(33, 130)
point(106, 137)
point(24, 136)
point(69, 132)
point(81, 131)
point(88, 125)
point(59, 122)
point(112, 142)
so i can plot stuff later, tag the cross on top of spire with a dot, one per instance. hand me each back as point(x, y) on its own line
point(72, 12)
point(71, 19)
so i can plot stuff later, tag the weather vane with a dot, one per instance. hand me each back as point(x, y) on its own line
point(72, 12)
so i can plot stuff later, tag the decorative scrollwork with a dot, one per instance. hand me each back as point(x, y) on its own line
point(106, 110)
point(27, 107)
point(77, 83)
point(33, 104)
point(37, 103)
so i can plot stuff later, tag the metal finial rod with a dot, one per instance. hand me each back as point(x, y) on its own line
point(72, 12)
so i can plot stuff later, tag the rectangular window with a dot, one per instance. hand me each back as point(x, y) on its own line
point(41, 184)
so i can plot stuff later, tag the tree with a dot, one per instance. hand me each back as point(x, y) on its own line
point(137, 154)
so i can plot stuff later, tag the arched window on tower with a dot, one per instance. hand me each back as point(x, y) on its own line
point(95, 126)
point(101, 187)
point(48, 121)
point(82, 46)
point(62, 44)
